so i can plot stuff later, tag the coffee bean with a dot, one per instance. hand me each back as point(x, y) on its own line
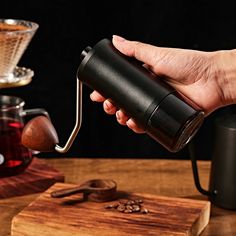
point(138, 201)
point(129, 207)
point(136, 208)
point(108, 206)
point(121, 208)
point(128, 211)
point(144, 211)
point(130, 202)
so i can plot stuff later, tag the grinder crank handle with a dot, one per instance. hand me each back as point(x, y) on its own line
point(39, 133)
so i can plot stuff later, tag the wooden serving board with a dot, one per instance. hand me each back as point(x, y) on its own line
point(72, 216)
point(36, 178)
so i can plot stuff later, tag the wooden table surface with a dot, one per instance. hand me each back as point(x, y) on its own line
point(155, 176)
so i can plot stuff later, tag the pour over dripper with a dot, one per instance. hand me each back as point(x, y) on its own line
point(161, 111)
point(15, 36)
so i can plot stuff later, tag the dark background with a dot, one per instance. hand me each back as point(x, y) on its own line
point(67, 27)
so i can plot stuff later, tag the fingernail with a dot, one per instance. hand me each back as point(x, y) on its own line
point(129, 123)
point(92, 97)
point(118, 115)
point(118, 38)
point(107, 105)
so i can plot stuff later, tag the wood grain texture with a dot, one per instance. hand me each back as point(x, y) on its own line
point(71, 216)
point(154, 176)
point(36, 178)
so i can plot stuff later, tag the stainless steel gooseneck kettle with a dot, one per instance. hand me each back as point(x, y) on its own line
point(165, 115)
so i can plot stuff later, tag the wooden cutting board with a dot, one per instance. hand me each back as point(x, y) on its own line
point(71, 216)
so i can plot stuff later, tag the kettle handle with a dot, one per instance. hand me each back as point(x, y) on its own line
point(196, 174)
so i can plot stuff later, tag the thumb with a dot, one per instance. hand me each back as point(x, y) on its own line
point(141, 51)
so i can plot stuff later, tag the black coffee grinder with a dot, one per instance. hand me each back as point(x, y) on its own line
point(160, 110)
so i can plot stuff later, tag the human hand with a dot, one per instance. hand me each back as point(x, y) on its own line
point(195, 74)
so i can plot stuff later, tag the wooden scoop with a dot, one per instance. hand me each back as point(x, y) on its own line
point(98, 190)
point(39, 135)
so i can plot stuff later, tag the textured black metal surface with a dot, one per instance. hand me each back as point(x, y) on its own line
point(153, 104)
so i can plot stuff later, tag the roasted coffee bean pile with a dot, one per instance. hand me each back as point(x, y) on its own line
point(128, 206)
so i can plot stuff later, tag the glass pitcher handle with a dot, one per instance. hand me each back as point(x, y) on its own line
point(35, 111)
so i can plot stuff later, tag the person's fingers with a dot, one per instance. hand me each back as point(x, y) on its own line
point(141, 51)
point(173, 63)
point(109, 107)
point(132, 125)
point(121, 117)
point(97, 97)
